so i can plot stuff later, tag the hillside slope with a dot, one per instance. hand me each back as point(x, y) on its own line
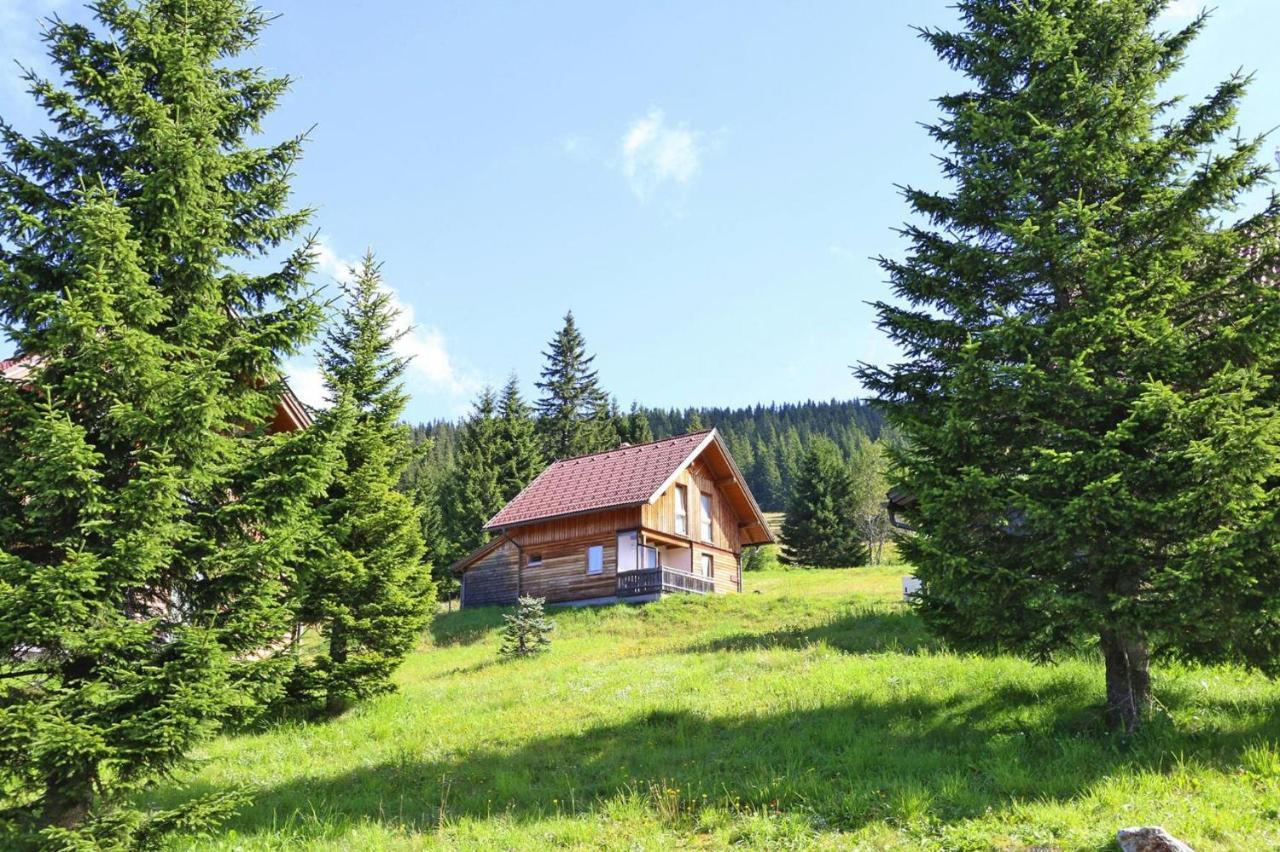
point(812, 711)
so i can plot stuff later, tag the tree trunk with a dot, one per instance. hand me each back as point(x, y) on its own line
point(335, 698)
point(67, 800)
point(1128, 678)
point(68, 794)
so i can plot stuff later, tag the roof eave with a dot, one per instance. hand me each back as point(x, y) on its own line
point(495, 526)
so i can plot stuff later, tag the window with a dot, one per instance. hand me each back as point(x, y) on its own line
point(595, 559)
point(682, 510)
point(706, 517)
point(535, 559)
point(708, 565)
point(650, 558)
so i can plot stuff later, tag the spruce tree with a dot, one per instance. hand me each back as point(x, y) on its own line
point(148, 522)
point(518, 456)
point(1087, 398)
point(768, 479)
point(573, 410)
point(368, 588)
point(821, 527)
point(428, 496)
point(636, 428)
point(472, 493)
point(527, 631)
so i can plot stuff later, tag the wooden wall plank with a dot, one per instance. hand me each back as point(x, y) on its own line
point(492, 579)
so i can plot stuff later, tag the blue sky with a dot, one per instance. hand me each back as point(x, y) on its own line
point(703, 184)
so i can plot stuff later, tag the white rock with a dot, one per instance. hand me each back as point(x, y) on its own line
point(1151, 839)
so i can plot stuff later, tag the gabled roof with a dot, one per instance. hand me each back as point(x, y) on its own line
point(291, 415)
point(621, 478)
point(16, 369)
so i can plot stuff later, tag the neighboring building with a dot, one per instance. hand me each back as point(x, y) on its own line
point(628, 524)
point(290, 414)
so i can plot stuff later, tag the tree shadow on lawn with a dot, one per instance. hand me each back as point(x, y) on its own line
point(897, 759)
point(858, 629)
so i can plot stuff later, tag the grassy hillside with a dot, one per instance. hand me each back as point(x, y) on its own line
point(810, 712)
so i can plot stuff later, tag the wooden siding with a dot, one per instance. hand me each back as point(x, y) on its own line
point(595, 525)
point(492, 578)
point(563, 576)
point(661, 514)
point(727, 566)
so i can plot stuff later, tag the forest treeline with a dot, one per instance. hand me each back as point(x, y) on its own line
point(767, 441)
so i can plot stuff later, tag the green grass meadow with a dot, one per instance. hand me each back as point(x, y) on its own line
point(810, 712)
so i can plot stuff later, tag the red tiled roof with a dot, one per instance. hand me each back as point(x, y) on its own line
point(291, 414)
point(17, 369)
point(627, 476)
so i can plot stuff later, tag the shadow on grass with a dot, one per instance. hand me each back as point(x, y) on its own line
point(859, 629)
point(901, 760)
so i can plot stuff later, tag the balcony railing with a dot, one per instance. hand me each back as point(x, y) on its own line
point(651, 581)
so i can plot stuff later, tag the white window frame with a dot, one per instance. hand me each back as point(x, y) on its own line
point(704, 509)
point(682, 509)
point(708, 565)
point(645, 551)
point(595, 554)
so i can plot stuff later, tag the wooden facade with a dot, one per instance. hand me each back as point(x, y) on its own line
point(552, 558)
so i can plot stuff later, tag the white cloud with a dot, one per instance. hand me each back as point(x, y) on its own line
point(655, 153)
point(330, 265)
point(1183, 10)
point(426, 346)
point(307, 383)
point(431, 367)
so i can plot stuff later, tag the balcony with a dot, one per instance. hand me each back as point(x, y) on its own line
point(664, 580)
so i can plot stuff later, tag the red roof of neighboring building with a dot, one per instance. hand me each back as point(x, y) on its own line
point(291, 415)
point(627, 476)
point(16, 369)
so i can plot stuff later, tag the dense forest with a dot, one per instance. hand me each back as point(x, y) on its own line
point(767, 441)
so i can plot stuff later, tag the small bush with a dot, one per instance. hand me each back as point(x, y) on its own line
point(528, 630)
point(762, 558)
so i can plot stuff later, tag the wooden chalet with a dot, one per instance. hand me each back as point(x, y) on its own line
point(629, 524)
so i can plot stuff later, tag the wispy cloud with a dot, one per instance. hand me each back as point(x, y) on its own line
point(307, 383)
point(652, 155)
point(655, 153)
point(1183, 10)
point(432, 370)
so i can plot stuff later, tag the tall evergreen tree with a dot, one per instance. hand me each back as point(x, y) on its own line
point(428, 496)
point(821, 526)
point(768, 479)
point(472, 493)
point(368, 589)
point(573, 408)
point(636, 428)
point(1088, 399)
point(518, 456)
point(148, 522)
